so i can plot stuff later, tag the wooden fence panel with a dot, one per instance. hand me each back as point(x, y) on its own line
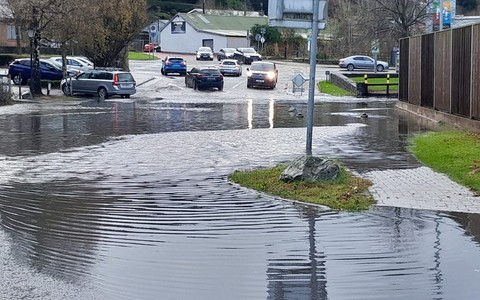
point(414, 71)
point(403, 70)
point(476, 72)
point(442, 70)
point(427, 73)
point(461, 70)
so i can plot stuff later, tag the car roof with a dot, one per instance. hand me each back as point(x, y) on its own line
point(231, 60)
point(263, 62)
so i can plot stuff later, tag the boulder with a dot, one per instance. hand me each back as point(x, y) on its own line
point(310, 168)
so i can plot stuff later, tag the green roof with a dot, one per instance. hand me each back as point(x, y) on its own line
point(222, 24)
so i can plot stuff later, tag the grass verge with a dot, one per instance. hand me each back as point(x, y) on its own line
point(346, 193)
point(454, 153)
point(141, 56)
point(328, 87)
point(378, 80)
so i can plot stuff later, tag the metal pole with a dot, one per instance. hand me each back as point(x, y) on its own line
point(31, 69)
point(313, 64)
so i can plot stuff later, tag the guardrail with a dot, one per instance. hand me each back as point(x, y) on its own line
point(362, 87)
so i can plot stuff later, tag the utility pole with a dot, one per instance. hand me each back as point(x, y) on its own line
point(313, 65)
point(36, 84)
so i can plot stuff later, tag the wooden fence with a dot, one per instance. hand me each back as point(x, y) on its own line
point(441, 71)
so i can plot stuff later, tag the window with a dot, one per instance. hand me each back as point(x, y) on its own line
point(11, 32)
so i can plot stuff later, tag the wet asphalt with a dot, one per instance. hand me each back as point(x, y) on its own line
point(129, 199)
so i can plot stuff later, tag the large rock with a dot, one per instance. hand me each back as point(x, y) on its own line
point(311, 168)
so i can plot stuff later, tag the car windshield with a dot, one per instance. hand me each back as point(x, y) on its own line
point(125, 77)
point(210, 72)
point(229, 50)
point(262, 67)
point(248, 50)
point(205, 49)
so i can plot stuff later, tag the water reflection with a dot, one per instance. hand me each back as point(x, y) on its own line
point(131, 201)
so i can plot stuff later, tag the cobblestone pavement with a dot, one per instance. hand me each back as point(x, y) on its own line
point(421, 188)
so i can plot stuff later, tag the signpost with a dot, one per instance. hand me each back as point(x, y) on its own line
point(305, 14)
point(375, 51)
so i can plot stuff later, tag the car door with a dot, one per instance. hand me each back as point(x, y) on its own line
point(369, 63)
point(49, 71)
point(80, 83)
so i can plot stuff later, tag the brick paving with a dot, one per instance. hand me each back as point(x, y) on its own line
point(421, 188)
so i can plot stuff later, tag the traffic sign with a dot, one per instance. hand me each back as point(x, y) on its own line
point(258, 37)
point(262, 40)
point(153, 31)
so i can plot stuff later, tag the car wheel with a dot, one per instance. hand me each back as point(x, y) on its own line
point(195, 87)
point(162, 71)
point(102, 93)
point(220, 88)
point(350, 67)
point(17, 79)
point(249, 86)
point(65, 89)
point(380, 68)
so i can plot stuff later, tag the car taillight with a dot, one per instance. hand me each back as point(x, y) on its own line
point(200, 76)
point(115, 79)
point(183, 63)
point(168, 63)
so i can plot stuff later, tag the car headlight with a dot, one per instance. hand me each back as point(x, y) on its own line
point(249, 73)
point(270, 75)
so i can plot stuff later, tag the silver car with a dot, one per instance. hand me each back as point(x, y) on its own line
point(361, 62)
point(73, 62)
point(104, 83)
point(230, 67)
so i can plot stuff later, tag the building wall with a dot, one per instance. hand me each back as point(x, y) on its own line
point(4, 41)
point(191, 40)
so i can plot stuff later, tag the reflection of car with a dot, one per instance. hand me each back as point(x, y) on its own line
point(20, 71)
point(361, 62)
point(174, 64)
point(248, 55)
point(204, 77)
point(225, 53)
point(73, 62)
point(150, 47)
point(204, 53)
point(104, 83)
point(262, 74)
point(230, 67)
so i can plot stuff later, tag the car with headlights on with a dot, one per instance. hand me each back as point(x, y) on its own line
point(362, 62)
point(174, 64)
point(204, 77)
point(104, 82)
point(248, 55)
point(230, 67)
point(262, 74)
point(204, 53)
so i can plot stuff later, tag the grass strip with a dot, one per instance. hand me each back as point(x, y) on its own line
point(348, 192)
point(453, 153)
point(328, 87)
point(141, 56)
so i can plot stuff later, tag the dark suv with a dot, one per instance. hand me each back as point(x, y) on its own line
point(262, 74)
point(204, 77)
point(104, 83)
point(247, 55)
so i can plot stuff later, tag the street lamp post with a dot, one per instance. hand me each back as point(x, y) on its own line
point(31, 34)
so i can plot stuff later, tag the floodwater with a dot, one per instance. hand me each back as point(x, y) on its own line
point(130, 200)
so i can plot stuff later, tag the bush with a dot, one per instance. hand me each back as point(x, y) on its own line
point(6, 97)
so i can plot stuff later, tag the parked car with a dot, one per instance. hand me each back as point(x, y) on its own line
point(174, 64)
point(73, 62)
point(262, 74)
point(248, 55)
point(226, 53)
point(361, 62)
point(150, 47)
point(101, 82)
point(230, 67)
point(204, 53)
point(20, 70)
point(204, 77)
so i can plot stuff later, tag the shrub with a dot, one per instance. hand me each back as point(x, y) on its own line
point(6, 97)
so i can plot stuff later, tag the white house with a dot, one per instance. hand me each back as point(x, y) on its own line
point(186, 32)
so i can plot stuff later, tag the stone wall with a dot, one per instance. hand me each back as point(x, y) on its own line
point(344, 82)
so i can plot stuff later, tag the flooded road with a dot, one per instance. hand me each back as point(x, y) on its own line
point(129, 200)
